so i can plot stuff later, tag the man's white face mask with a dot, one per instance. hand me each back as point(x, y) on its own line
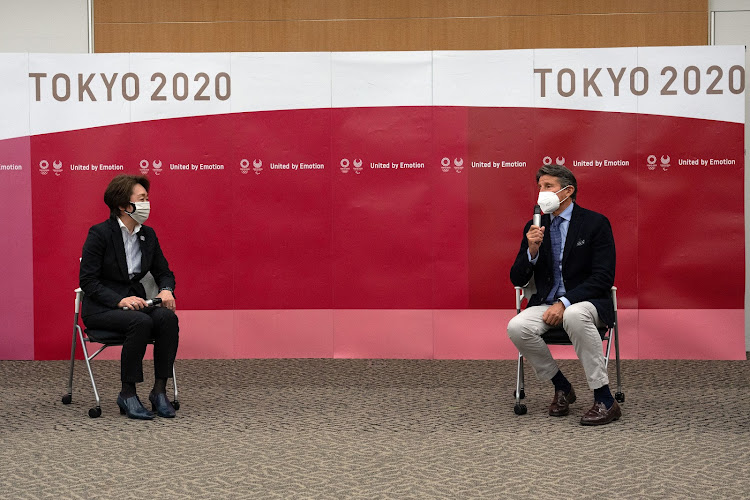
point(549, 202)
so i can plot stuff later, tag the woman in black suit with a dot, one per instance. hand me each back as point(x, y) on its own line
point(116, 255)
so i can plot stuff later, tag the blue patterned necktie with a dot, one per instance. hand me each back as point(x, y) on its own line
point(556, 239)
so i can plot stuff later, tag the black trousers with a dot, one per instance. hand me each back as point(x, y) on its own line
point(158, 323)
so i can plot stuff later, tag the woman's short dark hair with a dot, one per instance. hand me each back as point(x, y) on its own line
point(564, 175)
point(119, 190)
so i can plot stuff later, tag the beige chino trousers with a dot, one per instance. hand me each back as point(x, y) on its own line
point(581, 321)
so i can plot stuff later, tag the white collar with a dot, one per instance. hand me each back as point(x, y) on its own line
point(123, 226)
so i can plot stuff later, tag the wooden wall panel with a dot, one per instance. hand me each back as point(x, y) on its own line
point(344, 25)
point(145, 11)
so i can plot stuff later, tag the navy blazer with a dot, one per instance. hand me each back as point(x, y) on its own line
point(588, 265)
point(104, 267)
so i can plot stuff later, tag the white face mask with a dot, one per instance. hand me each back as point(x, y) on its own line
point(140, 211)
point(549, 202)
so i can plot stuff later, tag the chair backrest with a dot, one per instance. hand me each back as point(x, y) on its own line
point(149, 283)
point(524, 293)
point(79, 297)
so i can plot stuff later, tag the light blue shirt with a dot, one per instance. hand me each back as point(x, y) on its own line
point(564, 224)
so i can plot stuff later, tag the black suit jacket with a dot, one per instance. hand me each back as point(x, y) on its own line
point(588, 264)
point(104, 267)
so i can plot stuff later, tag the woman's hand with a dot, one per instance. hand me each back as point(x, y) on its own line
point(133, 303)
point(167, 300)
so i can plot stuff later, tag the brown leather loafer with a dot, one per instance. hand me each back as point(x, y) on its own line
point(600, 415)
point(561, 403)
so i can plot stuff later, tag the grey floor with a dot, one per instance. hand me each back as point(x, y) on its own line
point(376, 429)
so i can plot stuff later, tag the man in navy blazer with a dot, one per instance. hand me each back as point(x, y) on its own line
point(116, 255)
point(573, 267)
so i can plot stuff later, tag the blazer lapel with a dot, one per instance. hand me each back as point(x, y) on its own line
point(119, 247)
point(145, 249)
point(576, 223)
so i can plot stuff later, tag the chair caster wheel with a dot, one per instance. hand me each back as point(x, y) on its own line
point(176, 404)
point(620, 397)
point(519, 409)
point(523, 394)
point(67, 399)
point(95, 412)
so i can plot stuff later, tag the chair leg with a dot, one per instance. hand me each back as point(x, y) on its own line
point(619, 395)
point(176, 402)
point(519, 408)
point(68, 397)
point(96, 411)
point(607, 349)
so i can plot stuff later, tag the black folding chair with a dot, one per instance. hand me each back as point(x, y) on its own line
point(558, 336)
point(107, 339)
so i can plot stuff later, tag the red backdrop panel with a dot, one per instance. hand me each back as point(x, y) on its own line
point(281, 237)
point(691, 247)
point(382, 215)
point(262, 242)
point(67, 201)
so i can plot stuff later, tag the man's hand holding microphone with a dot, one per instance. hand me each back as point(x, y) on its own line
point(535, 235)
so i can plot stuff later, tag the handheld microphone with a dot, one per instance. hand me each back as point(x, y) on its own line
point(150, 302)
point(537, 219)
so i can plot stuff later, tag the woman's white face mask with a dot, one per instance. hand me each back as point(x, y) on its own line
point(140, 212)
point(549, 202)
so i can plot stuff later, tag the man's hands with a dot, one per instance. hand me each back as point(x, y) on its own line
point(534, 236)
point(553, 316)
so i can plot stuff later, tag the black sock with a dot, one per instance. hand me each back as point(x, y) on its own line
point(128, 390)
point(602, 395)
point(561, 383)
point(160, 386)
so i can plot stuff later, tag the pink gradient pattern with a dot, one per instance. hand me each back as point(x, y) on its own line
point(435, 334)
point(379, 333)
point(285, 333)
point(691, 334)
point(16, 264)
